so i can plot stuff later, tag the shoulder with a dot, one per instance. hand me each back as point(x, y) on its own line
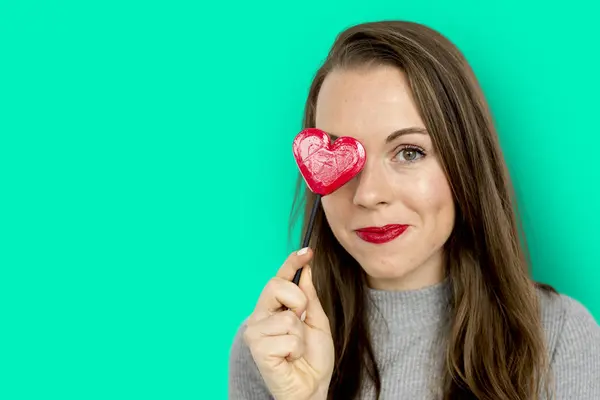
point(565, 317)
point(573, 339)
point(245, 381)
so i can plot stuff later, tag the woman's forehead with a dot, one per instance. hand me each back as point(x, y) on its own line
point(366, 105)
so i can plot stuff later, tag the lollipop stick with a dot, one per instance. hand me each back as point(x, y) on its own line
point(309, 229)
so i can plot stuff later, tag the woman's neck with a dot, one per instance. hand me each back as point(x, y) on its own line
point(427, 274)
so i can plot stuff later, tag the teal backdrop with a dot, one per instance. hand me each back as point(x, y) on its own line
point(139, 217)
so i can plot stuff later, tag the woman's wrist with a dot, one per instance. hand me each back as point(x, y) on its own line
point(321, 393)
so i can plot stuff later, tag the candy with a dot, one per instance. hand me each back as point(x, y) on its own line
point(324, 166)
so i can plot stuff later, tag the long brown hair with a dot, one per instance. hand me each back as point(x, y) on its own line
point(495, 342)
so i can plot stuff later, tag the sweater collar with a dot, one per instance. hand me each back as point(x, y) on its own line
point(404, 309)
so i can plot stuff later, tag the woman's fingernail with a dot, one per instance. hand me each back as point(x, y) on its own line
point(303, 316)
point(302, 251)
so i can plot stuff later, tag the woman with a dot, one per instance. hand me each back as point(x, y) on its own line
point(416, 283)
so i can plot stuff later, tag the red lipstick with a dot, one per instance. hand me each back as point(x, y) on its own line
point(383, 234)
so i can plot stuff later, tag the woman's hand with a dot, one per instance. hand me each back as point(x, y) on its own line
point(289, 335)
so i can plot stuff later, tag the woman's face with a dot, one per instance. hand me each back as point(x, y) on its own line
point(402, 185)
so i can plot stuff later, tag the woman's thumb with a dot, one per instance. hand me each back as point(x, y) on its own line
point(315, 315)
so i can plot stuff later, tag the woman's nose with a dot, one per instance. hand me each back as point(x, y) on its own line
point(372, 188)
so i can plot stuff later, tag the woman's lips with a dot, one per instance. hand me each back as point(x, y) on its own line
point(383, 234)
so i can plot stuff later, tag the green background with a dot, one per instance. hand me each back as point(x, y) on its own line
point(140, 218)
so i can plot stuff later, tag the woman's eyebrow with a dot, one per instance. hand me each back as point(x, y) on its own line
point(405, 131)
point(396, 134)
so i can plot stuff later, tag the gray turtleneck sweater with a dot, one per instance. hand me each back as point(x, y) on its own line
point(406, 327)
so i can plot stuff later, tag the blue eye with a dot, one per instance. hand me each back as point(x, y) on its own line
point(410, 154)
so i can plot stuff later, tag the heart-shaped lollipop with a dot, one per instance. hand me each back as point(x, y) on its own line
point(326, 166)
